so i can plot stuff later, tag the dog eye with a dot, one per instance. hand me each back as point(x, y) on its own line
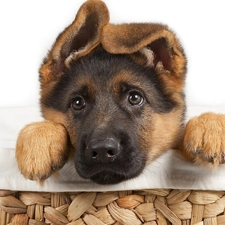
point(135, 98)
point(78, 103)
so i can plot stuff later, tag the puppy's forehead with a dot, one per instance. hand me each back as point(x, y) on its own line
point(126, 77)
point(104, 82)
point(85, 81)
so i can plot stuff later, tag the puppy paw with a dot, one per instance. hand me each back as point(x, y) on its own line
point(41, 149)
point(204, 139)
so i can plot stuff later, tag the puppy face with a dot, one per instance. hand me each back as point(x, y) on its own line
point(117, 115)
point(121, 110)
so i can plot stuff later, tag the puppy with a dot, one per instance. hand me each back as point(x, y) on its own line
point(112, 98)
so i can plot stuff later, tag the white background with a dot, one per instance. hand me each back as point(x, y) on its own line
point(29, 28)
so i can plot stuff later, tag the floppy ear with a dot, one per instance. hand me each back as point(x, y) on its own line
point(76, 40)
point(156, 41)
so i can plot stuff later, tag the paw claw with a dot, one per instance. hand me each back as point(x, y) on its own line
point(31, 177)
point(196, 152)
point(43, 177)
point(222, 160)
point(209, 159)
point(54, 167)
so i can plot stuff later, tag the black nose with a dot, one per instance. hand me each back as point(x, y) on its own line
point(104, 151)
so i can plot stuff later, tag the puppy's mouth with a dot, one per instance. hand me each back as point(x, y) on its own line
point(107, 178)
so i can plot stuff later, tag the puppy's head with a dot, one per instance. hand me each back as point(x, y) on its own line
point(118, 90)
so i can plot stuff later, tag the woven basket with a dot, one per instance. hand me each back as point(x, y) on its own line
point(149, 207)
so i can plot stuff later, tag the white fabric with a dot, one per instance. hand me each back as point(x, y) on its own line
point(168, 171)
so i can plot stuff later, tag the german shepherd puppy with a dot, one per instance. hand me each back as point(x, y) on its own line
point(112, 97)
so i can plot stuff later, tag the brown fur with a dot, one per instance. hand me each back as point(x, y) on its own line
point(48, 141)
point(204, 139)
point(130, 38)
point(44, 146)
point(93, 8)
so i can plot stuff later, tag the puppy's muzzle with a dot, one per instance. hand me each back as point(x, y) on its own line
point(102, 150)
point(109, 155)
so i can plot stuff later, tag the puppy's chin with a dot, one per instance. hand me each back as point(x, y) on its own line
point(111, 173)
point(108, 177)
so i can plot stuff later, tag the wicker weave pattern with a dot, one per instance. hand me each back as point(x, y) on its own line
point(149, 207)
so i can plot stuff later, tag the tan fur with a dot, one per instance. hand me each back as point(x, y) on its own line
point(166, 132)
point(41, 148)
point(130, 38)
point(204, 139)
point(54, 116)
